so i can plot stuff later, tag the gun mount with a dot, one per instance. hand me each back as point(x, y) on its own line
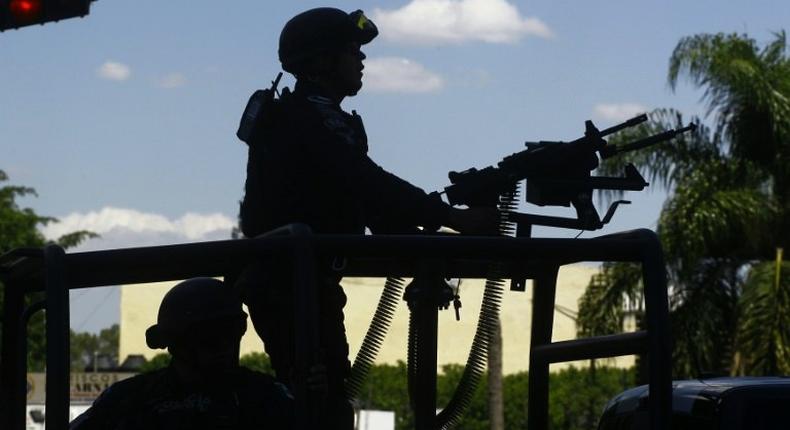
point(557, 174)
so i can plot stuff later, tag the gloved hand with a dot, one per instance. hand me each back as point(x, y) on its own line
point(475, 221)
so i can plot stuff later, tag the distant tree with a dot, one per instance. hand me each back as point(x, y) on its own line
point(87, 347)
point(19, 228)
point(82, 347)
point(386, 388)
point(109, 341)
point(477, 417)
point(257, 361)
point(159, 361)
point(515, 388)
point(572, 397)
point(575, 403)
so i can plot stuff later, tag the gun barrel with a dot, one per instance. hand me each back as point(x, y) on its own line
point(648, 141)
point(630, 123)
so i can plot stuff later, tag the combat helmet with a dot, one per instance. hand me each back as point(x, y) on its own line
point(192, 304)
point(322, 30)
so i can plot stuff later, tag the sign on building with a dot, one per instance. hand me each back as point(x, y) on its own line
point(84, 387)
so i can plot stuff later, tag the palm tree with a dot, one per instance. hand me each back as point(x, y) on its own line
point(728, 208)
point(748, 89)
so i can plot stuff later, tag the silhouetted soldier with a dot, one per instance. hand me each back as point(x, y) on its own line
point(309, 164)
point(201, 324)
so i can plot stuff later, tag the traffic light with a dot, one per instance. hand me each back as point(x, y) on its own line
point(21, 13)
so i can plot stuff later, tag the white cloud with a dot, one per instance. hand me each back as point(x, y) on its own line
point(618, 111)
point(173, 80)
point(120, 228)
point(114, 71)
point(436, 22)
point(393, 74)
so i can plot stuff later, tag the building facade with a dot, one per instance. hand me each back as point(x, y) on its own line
point(139, 305)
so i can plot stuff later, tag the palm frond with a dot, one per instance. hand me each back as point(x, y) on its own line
point(713, 211)
point(748, 89)
point(603, 306)
point(762, 338)
point(704, 310)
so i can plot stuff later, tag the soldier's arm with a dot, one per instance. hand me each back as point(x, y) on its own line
point(395, 201)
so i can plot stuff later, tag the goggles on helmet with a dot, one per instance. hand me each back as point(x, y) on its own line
point(365, 28)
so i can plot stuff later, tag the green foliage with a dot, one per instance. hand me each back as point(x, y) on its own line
point(72, 239)
point(763, 338)
point(602, 307)
point(257, 361)
point(704, 318)
point(160, 361)
point(729, 209)
point(717, 198)
point(515, 389)
point(665, 163)
point(86, 347)
point(19, 226)
point(477, 415)
point(386, 388)
point(36, 341)
point(19, 229)
point(727, 212)
point(719, 210)
point(577, 396)
point(747, 87)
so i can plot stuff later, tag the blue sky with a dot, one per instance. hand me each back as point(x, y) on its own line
point(124, 121)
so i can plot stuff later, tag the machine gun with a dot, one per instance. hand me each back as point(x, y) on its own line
point(557, 174)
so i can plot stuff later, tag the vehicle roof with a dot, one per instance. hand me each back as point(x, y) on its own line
point(692, 394)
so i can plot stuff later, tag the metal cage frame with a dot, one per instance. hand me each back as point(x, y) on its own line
point(52, 271)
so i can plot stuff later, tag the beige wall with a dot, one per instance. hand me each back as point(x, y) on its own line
point(139, 305)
